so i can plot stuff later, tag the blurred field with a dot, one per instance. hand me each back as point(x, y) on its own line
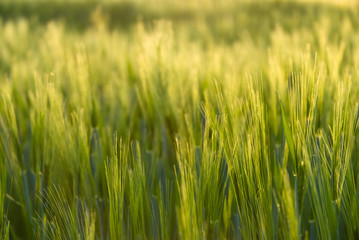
point(179, 120)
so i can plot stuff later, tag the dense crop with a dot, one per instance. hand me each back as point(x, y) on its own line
point(236, 122)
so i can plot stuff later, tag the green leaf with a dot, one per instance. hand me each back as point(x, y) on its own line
point(288, 135)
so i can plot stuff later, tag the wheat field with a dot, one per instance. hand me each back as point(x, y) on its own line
point(179, 119)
